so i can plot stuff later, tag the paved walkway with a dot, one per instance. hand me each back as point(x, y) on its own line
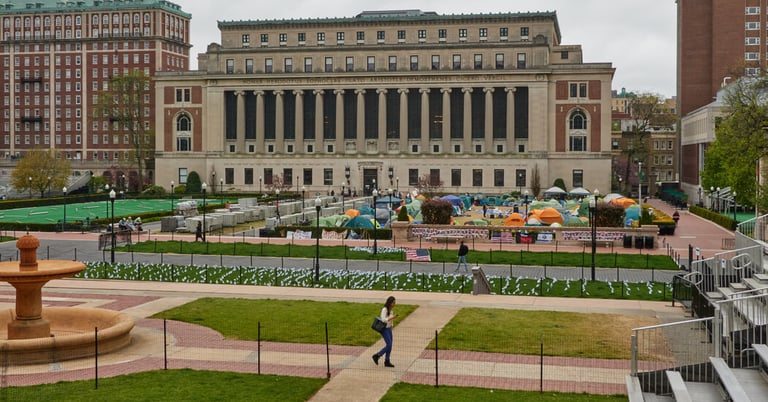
point(354, 377)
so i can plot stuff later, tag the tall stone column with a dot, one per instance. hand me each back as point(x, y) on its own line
point(319, 119)
point(403, 119)
point(240, 145)
point(259, 121)
point(488, 147)
point(446, 119)
point(467, 137)
point(424, 119)
point(339, 120)
point(360, 119)
point(298, 118)
point(382, 119)
point(511, 119)
point(279, 122)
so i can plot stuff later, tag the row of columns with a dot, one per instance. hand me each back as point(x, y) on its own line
point(360, 141)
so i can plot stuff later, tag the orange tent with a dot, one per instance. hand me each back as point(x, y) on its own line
point(352, 213)
point(550, 216)
point(623, 202)
point(514, 219)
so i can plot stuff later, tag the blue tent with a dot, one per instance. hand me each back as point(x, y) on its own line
point(363, 222)
point(452, 199)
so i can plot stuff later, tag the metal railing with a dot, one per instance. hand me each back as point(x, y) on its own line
point(728, 267)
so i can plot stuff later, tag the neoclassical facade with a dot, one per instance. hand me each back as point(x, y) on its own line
point(480, 103)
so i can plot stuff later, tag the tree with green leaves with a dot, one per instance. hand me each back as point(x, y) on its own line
point(126, 105)
point(741, 140)
point(41, 170)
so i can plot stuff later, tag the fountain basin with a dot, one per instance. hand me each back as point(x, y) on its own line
point(72, 335)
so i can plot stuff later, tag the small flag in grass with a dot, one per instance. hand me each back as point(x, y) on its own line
point(417, 254)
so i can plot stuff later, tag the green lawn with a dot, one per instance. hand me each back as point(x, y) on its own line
point(549, 258)
point(296, 321)
point(402, 392)
point(174, 385)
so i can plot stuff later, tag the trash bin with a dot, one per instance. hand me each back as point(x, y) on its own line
point(639, 242)
point(627, 241)
point(649, 242)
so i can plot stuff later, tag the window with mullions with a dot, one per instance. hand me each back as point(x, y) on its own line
point(578, 178)
point(422, 34)
point(435, 62)
point(327, 177)
point(504, 32)
point(350, 63)
point(455, 177)
point(477, 177)
point(360, 35)
point(401, 35)
point(414, 63)
point(577, 135)
point(380, 35)
point(442, 34)
point(340, 36)
point(370, 63)
point(499, 61)
point(498, 177)
point(392, 63)
point(462, 34)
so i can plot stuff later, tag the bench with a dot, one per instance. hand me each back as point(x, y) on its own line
point(447, 238)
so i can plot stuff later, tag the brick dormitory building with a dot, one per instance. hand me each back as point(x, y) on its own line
point(479, 102)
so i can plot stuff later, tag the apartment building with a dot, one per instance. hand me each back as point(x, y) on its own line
point(477, 102)
point(58, 55)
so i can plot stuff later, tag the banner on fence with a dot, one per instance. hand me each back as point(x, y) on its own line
point(417, 254)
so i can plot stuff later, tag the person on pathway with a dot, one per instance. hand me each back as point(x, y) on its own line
point(463, 251)
point(485, 210)
point(387, 316)
point(676, 217)
point(199, 232)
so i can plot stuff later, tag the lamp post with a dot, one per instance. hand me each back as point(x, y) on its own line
point(318, 208)
point(172, 183)
point(347, 174)
point(213, 180)
point(640, 187)
point(221, 186)
point(391, 175)
point(593, 212)
point(699, 196)
point(277, 204)
point(303, 190)
point(204, 186)
point(63, 225)
point(49, 186)
point(734, 209)
point(125, 188)
point(375, 193)
point(717, 198)
point(343, 190)
point(106, 188)
point(374, 189)
point(712, 198)
point(397, 186)
point(30, 186)
point(112, 225)
point(519, 183)
point(260, 178)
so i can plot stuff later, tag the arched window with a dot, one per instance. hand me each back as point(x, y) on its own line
point(577, 131)
point(183, 133)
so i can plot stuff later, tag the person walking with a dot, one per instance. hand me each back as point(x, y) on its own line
point(463, 251)
point(388, 316)
point(199, 232)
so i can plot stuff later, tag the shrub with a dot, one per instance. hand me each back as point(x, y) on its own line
point(437, 212)
point(194, 185)
point(154, 190)
point(610, 215)
point(402, 216)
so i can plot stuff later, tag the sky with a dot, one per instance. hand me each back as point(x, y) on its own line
point(637, 37)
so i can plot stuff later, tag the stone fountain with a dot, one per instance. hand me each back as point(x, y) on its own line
point(35, 334)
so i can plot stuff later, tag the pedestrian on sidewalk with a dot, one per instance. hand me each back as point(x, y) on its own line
point(199, 231)
point(388, 316)
point(463, 251)
point(676, 217)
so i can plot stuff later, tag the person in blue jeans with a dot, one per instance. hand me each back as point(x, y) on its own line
point(388, 316)
point(463, 251)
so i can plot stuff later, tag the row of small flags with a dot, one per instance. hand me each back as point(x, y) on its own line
point(417, 254)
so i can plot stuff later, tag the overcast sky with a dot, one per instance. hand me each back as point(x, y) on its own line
point(637, 37)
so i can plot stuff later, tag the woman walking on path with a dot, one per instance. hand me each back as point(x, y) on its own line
point(387, 316)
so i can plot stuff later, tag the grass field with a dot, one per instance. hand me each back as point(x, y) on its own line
point(83, 211)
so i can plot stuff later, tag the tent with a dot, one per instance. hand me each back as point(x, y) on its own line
point(576, 221)
point(365, 210)
point(550, 216)
point(554, 191)
point(477, 222)
point(623, 202)
point(362, 222)
point(612, 196)
point(388, 200)
point(452, 199)
point(352, 213)
point(514, 219)
point(580, 192)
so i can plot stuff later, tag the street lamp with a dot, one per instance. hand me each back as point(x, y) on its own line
point(717, 197)
point(106, 188)
point(397, 186)
point(712, 198)
point(125, 188)
point(734, 208)
point(260, 178)
point(699, 196)
point(303, 190)
point(49, 186)
point(277, 204)
point(318, 207)
point(172, 183)
point(204, 186)
point(391, 174)
point(112, 224)
point(343, 190)
point(347, 173)
point(213, 180)
point(30, 186)
point(375, 193)
point(63, 225)
point(374, 188)
point(519, 183)
point(221, 186)
point(593, 212)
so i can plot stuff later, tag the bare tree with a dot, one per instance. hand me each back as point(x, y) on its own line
point(429, 184)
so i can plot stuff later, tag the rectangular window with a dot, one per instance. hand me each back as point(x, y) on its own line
point(752, 56)
point(751, 26)
point(380, 36)
point(268, 176)
point(498, 177)
point(339, 36)
point(477, 177)
point(360, 36)
point(302, 37)
point(283, 38)
point(582, 90)
point(248, 176)
point(752, 11)
point(307, 64)
point(422, 35)
point(752, 41)
point(182, 175)
point(578, 178)
point(520, 178)
point(327, 177)
point(307, 177)
point(483, 33)
point(442, 34)
point(350, 63)
point(414, 63)
point(524, 33)
point(371, 63)
point(230, 66)
point(401, 35)
point(455, 177)
point(288, 176)
point(413, 177)
point(435, 62)
point(288, 68)
point(521, 60)
point(246, 39)
point(320, 38)
point(264, 39)
point(499, 61)
point(268, 65)
point(504, 33)
point(462, 34)
point(564, 55)
point(249, 66)
point(457, 62)
point(392, 63)
point(478, 64)
point(329, 64)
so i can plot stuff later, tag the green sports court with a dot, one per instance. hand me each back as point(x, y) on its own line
point(90, 210)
